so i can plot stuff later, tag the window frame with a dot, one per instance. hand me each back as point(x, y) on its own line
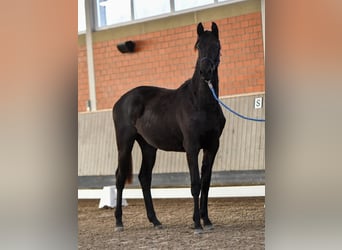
point(172, 12)
point(133, 20)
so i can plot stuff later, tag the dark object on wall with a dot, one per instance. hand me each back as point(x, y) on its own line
point(127, 46)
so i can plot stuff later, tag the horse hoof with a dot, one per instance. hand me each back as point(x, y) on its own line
point(159, 227)
point(208, 227)
point(198, 231)
point(119, 229)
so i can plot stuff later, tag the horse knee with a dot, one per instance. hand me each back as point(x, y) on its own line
point(141, 178)
point(145, 180)
point(195, 189)
point(120, 181)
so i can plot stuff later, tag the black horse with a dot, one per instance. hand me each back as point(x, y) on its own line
point(186, 119)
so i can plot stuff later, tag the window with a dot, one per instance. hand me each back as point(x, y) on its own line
point(116, 12)
point(113, 11)
point(148, 8)
point(181, 4)
point(81, 17)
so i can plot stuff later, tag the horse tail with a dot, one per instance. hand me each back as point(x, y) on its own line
point(125, 170)
point(123, 111)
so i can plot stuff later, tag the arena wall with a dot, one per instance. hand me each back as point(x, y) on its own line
point(240, 159)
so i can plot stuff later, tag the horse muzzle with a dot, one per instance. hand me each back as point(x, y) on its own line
point(207, 68)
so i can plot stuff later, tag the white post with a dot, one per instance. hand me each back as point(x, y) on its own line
point(90, 59)
point(263, 23)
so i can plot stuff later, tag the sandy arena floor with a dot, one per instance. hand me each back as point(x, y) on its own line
point(239, 223)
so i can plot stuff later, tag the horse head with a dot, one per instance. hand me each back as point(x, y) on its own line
point(208, 46)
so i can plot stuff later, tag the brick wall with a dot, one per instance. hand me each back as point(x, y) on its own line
point(83, 89)
point(167, 58)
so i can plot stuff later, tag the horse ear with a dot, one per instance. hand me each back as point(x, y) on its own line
point(214, 29)
point(200, 29)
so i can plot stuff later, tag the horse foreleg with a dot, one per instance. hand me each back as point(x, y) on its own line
point(207, 163)
point(192, 158)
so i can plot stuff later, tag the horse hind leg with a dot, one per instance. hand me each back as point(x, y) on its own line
point(123, 173)
point(145, 178)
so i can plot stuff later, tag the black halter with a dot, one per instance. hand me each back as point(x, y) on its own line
point(215, 64)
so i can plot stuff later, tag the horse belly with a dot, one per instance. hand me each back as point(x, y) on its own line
point(160, 136)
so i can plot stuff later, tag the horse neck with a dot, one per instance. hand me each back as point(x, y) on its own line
point(201, 89)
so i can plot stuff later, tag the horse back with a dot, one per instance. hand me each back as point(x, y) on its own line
point(152, 113)
point(164, 116)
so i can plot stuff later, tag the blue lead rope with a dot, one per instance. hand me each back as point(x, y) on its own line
point(229, 109)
